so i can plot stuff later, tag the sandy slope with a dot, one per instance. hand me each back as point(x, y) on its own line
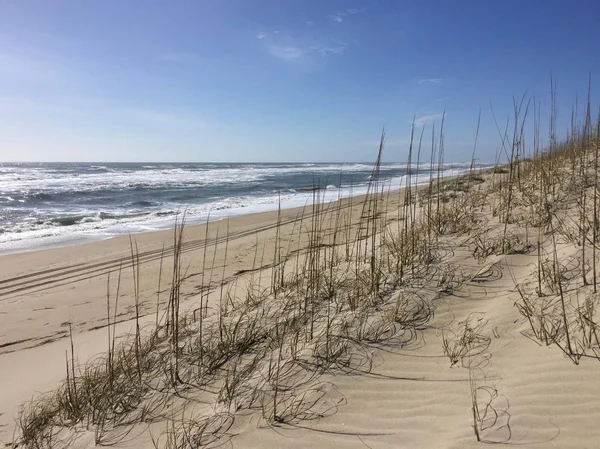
point(414, 398)
point(42, 291)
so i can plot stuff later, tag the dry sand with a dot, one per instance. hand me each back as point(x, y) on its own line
point(411, 398)
point(41, 292)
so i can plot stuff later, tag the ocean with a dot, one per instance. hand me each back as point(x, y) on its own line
point(44, 205)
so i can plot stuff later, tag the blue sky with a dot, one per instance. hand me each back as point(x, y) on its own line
point(279, 80)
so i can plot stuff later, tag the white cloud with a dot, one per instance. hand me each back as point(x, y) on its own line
point(430, 81)
point(286, 52)
point(309, 22)
point(325, 50)
point(340, 16)
point(296, 52)
point(424, 119)
point(302, 49)
point(261, 35)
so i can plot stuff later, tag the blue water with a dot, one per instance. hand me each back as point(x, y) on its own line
point(55, 204)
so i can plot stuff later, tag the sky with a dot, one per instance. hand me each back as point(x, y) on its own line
point(282, 80)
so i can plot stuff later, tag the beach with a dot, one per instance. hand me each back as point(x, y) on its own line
point(43, 291)
point(331, 225)
point(457, 356)
point(51, 205)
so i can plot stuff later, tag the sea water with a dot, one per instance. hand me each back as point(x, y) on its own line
point(46, 205)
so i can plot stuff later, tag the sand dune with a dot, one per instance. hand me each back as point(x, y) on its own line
point(419, 318)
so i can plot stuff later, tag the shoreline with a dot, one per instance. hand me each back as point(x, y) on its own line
point(45, 292)
point(82, 237)
point(42, 291)
point(190, 223)
point(458, 285)
point(45, 273)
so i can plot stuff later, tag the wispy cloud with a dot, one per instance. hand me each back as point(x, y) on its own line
point(286, 52)
point(301, 46)
point(326, 50)
point(290, 49)
point(430, 118)
point(340, 16)
point(305, 52)
point(430, 81)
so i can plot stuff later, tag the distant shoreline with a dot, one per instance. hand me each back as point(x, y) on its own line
point(71, 228)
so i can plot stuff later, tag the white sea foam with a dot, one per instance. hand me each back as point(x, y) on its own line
point(47, 180)
point(89, 223)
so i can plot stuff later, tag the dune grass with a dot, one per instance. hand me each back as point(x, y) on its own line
point(346, 281)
